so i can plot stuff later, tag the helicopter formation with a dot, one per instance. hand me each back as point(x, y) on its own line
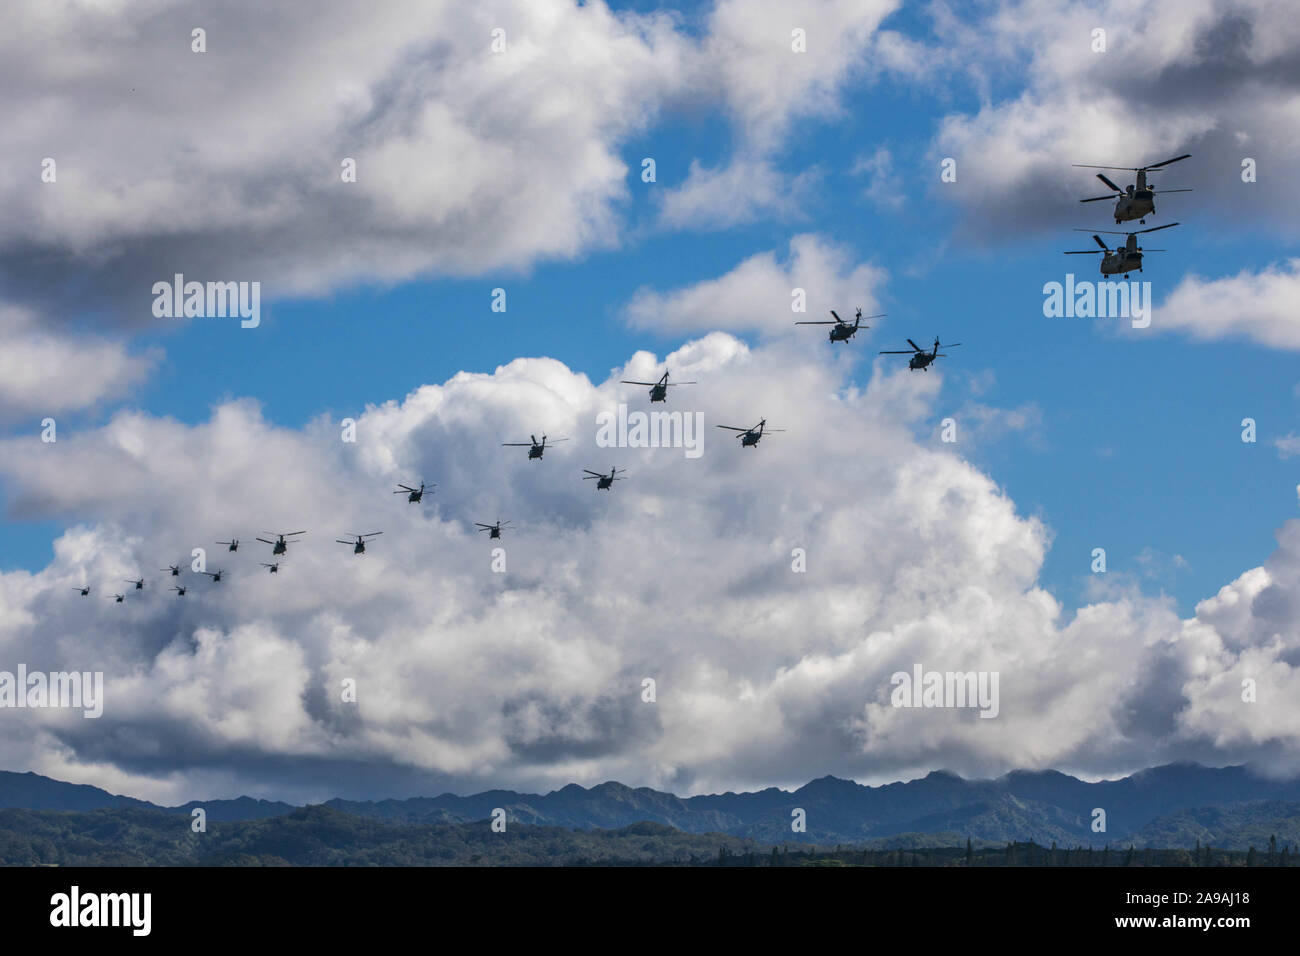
point(1137, 201)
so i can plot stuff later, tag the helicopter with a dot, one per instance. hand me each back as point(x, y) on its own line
point(281, 543)
point(535, 448)
point(175, 569)
point(139, 583)
point(659, 389)
point(493, 530)
point(275, 568)
point(843, 331)
point(413, 495)
point(83, 591)
point(215, 575)
point(180, 592)
point(231, 545)
point(1138, 201)
point(920, 357)
point(119, 598)
point(750, 437)
point(604, 482)
point(1118, 261)
point(358, 546)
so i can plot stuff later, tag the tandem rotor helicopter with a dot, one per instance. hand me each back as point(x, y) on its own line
point(750, 437)
point(658, 390)
point(413, 495)
point(604, 482)
point(359, 545)
point(1138, 200)
point(842, 331)
point(281, 543)
point(920, 357)
point(535, 448)
point(1120, 260)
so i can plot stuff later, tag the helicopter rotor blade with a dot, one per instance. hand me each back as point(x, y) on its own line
point(1107, 181)
point(1168, 161)
point(915, 346)
point(1163, 191)
point(1168, 225)
point(1096, 199)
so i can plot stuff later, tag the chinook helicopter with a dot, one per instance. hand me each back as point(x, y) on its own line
point(1138, 200)
point(413, 495)
point(281, 543)
point(750, 437)
point(535, 448)
point(231, 545)
point(1119, 261)
point(604, 482)
point(359, 545)
point(843, 331)
point(920, 357)
point(493, 530)
point(659, 389)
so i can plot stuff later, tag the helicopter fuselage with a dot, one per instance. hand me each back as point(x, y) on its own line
point(536, 451)
point(659, 393)
point(842, 333)
point(1120, 261)
point(920, 360)
point(750, 439)
point(280, 547)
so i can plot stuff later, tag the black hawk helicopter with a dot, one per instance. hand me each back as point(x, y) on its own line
point(750, 437)
point(275, 568)
point(493, 530)
point(413, 495)
point(175, 569)
point(359, 545)
point(231, 545)
point(215, 575)
point(139, 583)
point(281, 542)
point(920, 357)
point(1119, 261)
point(1138, 200)
point(180, 592)
point(83, 591)
point(604, 482)
point(119, 598)
point(659, 389)
point(535, 448)
point(843, 331)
